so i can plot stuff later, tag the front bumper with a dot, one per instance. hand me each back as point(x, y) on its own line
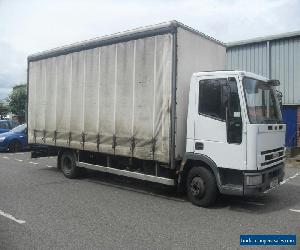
point(268, 175)
point(3, 148)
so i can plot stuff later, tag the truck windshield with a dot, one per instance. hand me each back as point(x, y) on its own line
point(261, 101)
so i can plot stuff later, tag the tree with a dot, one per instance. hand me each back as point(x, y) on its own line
point(17, 101)
point(4, 110)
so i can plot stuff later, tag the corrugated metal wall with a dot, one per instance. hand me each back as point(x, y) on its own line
point(276, 59)
point(298, 127)
point(252, 57)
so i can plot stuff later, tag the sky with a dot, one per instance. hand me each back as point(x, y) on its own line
point(27, 27)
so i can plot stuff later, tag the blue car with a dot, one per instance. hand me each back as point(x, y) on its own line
point(15, 140)
point(6, 125)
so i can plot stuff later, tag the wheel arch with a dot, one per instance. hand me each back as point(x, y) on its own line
point(193, 160)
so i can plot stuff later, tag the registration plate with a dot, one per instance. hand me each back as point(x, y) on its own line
point(274, 182)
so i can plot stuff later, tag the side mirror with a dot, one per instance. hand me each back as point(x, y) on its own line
point(279, 97)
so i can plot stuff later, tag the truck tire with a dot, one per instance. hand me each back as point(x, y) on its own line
point(14, 146)
point(201, 187)
point(68, 165)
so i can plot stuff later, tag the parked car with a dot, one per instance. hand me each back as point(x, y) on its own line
point(15, 140)
point(7, 125)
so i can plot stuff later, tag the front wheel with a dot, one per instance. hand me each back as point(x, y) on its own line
point(201, 187)
point(68, 165)
point(14, 146)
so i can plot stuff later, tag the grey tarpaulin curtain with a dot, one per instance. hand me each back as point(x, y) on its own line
point(105, 98)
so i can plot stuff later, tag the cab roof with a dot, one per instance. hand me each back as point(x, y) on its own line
point(222, 73)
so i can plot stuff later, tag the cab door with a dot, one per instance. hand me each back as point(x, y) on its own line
point(218, 129)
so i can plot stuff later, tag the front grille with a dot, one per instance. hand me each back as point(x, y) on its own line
point(272, 150)
point(271, 157)
point(271, 162)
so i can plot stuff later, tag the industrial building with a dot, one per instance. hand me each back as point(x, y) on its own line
point(275, 57)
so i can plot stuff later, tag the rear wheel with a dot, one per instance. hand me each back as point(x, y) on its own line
point(201, 187)
point(14, 146)
point(68, 165)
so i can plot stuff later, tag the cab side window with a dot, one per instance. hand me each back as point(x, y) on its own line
point(219, 99)
point(211, 98)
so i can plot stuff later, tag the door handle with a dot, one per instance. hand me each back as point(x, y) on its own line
point(199, 146)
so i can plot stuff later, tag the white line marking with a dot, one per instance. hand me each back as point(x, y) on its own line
point(283, 182)
point(19, 153)
point(295, 210)
point(254, 203)
point(5, 157)
point(18, 159)
point(48, 166)
point(9, 216)
point(288, 179)
point(35, 163)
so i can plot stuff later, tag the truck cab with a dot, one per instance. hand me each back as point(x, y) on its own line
point(235, 128)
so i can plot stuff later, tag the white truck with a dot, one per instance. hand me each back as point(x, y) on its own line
point(132, 104)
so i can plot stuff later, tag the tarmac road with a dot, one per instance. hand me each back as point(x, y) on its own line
point(41, 209)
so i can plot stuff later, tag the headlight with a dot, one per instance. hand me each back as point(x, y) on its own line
point(252, 180)
point(2, 139)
